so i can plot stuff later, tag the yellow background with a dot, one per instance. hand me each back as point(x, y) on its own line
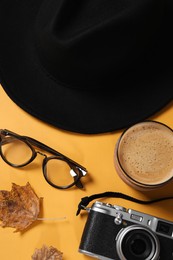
point(95, 152)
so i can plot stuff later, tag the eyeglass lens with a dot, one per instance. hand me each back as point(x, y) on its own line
point(15, 151)
point(58, 172)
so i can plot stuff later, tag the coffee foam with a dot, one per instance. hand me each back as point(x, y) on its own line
point(145, 152)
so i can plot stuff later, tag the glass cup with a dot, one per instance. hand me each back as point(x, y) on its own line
point(143, 155)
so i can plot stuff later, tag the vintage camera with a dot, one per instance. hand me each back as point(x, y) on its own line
point(116, 233)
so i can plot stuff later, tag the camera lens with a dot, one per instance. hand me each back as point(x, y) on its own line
point(136, 242)
point(138, 245)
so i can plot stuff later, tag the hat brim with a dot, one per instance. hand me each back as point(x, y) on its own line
point(128, 101)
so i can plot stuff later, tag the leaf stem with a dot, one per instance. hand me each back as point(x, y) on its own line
point(52, 219)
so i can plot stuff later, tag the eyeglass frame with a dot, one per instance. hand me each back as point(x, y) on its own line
point(31, 142)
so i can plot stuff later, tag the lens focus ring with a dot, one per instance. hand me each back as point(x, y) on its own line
point(137, 242)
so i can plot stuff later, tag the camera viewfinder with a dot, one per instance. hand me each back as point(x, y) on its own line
point(165, 228)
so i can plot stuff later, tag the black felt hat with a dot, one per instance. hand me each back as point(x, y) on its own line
point(90, 66)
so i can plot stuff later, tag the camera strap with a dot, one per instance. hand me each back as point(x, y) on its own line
point(86, 200)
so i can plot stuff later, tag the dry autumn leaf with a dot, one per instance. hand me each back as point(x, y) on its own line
point(47, 253)
point(19, 207)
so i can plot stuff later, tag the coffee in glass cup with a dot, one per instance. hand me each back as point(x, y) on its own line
point(143, 155)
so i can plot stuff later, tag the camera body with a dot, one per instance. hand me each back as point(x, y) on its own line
point(113, 232)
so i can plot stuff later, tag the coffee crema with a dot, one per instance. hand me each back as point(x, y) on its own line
point(144, 154)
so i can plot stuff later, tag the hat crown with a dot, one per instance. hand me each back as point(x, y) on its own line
point(84, 43)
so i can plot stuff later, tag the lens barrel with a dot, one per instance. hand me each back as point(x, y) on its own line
point(136, 242)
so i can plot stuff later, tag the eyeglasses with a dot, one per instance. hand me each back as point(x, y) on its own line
point(59, 171)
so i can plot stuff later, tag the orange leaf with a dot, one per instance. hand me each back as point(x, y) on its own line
point(47, 253)
point(19, 207)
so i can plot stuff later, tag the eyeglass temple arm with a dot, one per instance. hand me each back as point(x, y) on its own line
point(78, 183)
point(77, 177)
point(52, 151)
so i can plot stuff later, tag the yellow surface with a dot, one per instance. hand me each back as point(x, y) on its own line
point(95, 152)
